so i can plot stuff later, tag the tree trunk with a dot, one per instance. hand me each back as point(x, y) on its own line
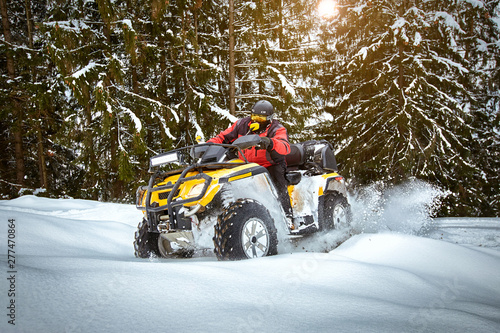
point(42, 167)
point(91, 161)
point(17, 128)
point(29, 21)
point(281, 43)
point(41, 160)
point(401, 69)
point(232, 74)
point(115, 161)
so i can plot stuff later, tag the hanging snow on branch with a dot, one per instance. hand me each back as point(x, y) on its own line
point(166, 130)
point(82, 72)
point(135, 119)
point(418, 39)
point(223, 113)
point(128, 23)
point(284, 82)
point(449, 21)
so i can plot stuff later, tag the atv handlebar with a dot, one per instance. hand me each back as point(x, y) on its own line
point(204, 152)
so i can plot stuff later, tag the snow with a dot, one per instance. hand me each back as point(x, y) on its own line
point(286, 85)
point(75, 272)
point(163, 123)
point(135, 119)
point(325, 116)
point(223, 113)
point(84, 70)
point(418, 39)
point(128, 23)
point(284, 82)
point(362, 52)
point(358, 9)
point(450, 63)
point(476, 3)
point(211, 65)
point(482, 45)
point(449, 21)
point(400, 22)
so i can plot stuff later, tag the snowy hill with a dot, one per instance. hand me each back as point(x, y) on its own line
point(75, 271)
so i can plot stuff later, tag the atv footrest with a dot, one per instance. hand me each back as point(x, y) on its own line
point(305, 225)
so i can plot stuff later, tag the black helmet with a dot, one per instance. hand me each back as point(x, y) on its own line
point(262, 112)
point(263, 108)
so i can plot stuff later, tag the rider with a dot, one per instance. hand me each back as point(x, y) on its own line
point(275, 146)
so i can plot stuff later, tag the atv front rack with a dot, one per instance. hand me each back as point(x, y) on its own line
point(152, 209)
point(208, 155)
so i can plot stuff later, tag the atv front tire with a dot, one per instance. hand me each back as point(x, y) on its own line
point(145, 243)
point(245, 230)
point(334, 212)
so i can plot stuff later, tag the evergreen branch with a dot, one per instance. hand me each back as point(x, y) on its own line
point(147, 99)
point(131, 136)
point(254, 96)
point(20, 47)
point(11, 184)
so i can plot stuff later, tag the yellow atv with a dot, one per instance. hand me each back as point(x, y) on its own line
point(208, 196)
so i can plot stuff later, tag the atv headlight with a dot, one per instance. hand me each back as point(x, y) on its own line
point(195, 190)
point(164, 159)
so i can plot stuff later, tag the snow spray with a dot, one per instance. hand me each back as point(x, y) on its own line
point(405, 208)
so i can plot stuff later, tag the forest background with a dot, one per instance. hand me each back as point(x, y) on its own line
point(408, 89)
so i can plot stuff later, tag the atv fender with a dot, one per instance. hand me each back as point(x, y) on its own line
point(334, 183)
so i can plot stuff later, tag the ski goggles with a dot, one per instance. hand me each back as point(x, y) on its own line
point(259, 118)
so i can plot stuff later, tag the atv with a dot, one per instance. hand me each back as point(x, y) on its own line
point(208, 196)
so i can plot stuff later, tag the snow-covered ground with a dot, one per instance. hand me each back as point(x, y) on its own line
point(75, 271)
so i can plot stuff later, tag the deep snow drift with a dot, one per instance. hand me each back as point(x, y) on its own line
point(400, 272)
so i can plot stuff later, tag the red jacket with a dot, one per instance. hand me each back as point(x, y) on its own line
point(275, 131)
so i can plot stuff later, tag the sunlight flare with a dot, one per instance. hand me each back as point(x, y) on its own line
point(327, 8)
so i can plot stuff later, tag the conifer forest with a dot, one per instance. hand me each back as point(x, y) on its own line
point(403, 89)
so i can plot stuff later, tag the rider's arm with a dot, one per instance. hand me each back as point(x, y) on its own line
point(280, 141)
point(228, 135)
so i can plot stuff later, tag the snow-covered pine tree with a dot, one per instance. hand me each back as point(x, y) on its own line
point(144, 74)
point(298, 63)
point(196, 68)
point(82, 42)
point(493, 107)
point(275, 49)
point(482, 50)
point(12, 95)
point(69, 43)
point(400, 95)
point(35, 90)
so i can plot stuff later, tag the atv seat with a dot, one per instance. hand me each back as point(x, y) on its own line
point(296, 157)
point(315, 156)
point(293, 161)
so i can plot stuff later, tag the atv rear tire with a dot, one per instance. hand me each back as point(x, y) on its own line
point(334, 212)
point(245, 230)
point(145, 243)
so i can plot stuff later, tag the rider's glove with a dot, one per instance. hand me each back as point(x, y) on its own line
point(266, 143)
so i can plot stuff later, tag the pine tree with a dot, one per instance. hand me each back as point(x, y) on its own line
point(297, 62)
point(78, 38)
point(13, 95)
point(483, 51)
point(144, 75)
point(275, 58)
point(408, 88)
point(400, 93)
